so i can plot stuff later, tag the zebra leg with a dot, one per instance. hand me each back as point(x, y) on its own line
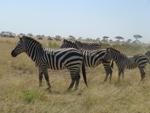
point(47, 80)
point(77, 81)
point(122, 75)
point(142, 73)
point(106, 78)
point(119, 74)
point(108, 73)
point(40, 78)
point(73, 80)
point(72, 83)
point(110, 76)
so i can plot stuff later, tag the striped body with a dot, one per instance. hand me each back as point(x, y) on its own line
point(91, 58)
point(55, 59)
point(58, 59)
point(127, 62)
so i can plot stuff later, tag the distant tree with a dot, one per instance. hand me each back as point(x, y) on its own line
point(49, 38)
point(40, 37)
point(98, 39)
point(110, 41)
point(137, 37)
point(105, 39)
point(30, 34)
point(119, 38)
point(7, 34)
point(80, 38)
point(129, 41)
point(72, 38)
point(21, 34)
point(58, 38)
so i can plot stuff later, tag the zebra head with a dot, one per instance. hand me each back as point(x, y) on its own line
point(20, 47)
point(111, 54)
point(68, 44)
point(147, 53)
point(107, 55)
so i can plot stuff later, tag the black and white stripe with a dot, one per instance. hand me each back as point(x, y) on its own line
point(91, 58)
point(71, 59)
point(127, 62)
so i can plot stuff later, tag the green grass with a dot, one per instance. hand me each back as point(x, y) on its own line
point(20, 93)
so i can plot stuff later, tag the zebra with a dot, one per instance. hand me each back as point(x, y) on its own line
point(147, 54)
point(88, 46)
point(55, 59)
point(127, 62)
point(92, 58)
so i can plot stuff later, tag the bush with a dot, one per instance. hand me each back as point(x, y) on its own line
point(29, 95)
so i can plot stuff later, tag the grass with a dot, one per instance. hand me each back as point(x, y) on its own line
point(19, 91)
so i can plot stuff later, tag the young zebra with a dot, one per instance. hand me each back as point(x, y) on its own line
point(88, 46)
point(127, 62)
point(91, 58)
point(44, 58)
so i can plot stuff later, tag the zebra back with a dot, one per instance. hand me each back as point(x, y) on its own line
point(68, 44)
point(88, 46)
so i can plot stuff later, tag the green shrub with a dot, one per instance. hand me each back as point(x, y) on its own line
point(29, 95)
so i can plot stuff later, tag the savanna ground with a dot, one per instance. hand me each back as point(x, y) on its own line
point(19, 91)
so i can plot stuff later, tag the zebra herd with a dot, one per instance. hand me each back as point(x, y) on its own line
point(74, 56)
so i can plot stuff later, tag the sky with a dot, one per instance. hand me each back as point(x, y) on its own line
point(80, 18)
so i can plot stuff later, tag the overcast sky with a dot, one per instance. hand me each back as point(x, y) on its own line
point(85, 18)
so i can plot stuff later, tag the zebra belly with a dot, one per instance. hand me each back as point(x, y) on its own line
point(132, 66)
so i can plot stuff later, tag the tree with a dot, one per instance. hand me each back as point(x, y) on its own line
point(30, 34)
point(137, 36)
point(129, 41)
point(119, 38)
point(72, 38)
point(105, 39)
point(80, 38)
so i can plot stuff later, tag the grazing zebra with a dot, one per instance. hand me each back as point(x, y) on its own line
point(127, 62)
point(92, 58)
point(44, 58)
point(88, 46)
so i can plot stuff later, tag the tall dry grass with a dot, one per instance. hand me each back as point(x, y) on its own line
point(19, 91)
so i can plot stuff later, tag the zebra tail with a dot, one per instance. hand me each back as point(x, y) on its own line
point(112, 64)
point(84, 74)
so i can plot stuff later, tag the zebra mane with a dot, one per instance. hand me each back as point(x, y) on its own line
point(31, 39)
point(109, 49)
point(70, 43)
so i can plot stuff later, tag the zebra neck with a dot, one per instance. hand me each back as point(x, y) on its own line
point(119, 58)
point(35, 53)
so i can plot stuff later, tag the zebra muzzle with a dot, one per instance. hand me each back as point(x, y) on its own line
point(13, 54)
